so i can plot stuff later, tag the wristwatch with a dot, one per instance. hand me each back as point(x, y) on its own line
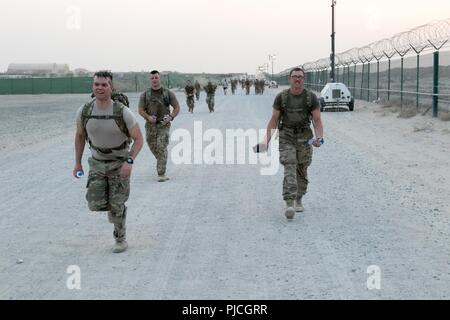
point(130, 160)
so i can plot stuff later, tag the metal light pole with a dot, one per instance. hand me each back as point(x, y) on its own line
point(266, 67)
point(272, 58)
point(333, 49)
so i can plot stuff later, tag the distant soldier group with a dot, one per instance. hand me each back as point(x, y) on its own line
point(114, 137)
point(247, 85)
point(189, 90)
point(259, 86)
point(234, 84)
point(210, 90)
point(225, 86)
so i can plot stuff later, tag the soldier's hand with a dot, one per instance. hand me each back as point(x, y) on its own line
point(260, 147)
point(152, 119)
point(317, 142)
point(167, 118)
point(76, 169)
point(125, 171)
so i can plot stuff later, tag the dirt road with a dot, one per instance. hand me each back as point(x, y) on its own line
point(378, 196)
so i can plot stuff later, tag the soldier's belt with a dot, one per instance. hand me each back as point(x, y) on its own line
point(123, 146)
point(296, 128)
point(109, 161)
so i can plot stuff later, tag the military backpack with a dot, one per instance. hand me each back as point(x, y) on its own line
point(117, 115)
point(284, 109)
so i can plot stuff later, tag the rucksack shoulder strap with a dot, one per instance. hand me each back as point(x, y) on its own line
point(118, 117)
point(309, 98)
point(86, 114)
point(284, 100)
point(165, 92)
point(166, 96)
point(120, 97)
point(146, 92)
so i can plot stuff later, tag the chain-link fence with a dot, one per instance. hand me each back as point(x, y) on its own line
point(411, 68)
point(45, 85)
point(123, 82)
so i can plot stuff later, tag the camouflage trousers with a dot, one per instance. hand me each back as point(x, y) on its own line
point(158, 141)
point(107, 191)
point(210, 102)
point(190, 102)
point(296, 157)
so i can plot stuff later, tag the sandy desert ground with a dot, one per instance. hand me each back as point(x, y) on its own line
point(378, 196)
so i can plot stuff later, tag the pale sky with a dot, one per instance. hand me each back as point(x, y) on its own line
point(197, 35)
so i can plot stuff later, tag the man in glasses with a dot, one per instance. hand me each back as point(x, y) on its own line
point(293, 111)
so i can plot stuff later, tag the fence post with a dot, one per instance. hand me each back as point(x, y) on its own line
point(401, 82)
point(348, 75)
point(368, 81)
point(315, 79)
point(435, 83)
point(417, 82)
point(378, 80)
point(389, 79)
point(362, 82)
point(324, 78)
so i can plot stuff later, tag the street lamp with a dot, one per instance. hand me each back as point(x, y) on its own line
point(333, 36)
point(272, 58)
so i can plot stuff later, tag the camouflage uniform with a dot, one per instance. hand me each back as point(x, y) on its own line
point(210, 90)
point(295, 131)
point(247, 86)
point(225, 86)
point(233, 86)
point(107, 191)
point(189, 89)
point(157, 103)
point(158, 141)
point(258, 85)
point(198, 88)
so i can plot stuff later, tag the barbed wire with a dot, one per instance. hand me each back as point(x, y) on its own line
point(435, 34)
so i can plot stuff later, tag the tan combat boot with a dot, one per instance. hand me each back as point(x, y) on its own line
point(298, 205)
point(290, 211)
point(120, 246)
point(162, 178)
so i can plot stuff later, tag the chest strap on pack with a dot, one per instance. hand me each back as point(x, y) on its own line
point(123, 146)
point(117, 116)
point(283, 109)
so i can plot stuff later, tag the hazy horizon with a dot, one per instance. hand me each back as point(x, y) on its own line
point(199, 35)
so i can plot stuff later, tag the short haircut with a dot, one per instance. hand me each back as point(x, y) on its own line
point(296, 69)
point(154, 72)
point(104, 74)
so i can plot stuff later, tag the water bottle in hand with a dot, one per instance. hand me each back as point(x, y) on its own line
point(310, 141)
